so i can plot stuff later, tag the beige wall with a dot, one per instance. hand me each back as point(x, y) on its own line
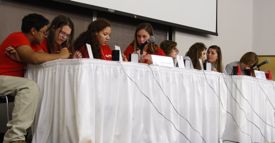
point(264, 27)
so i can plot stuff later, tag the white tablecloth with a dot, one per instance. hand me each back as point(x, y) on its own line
point(96, 101)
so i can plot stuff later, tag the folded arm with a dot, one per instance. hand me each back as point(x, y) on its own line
point(27, 55)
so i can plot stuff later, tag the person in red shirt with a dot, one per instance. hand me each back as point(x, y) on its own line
point(143, 36)
point(59, 35)
point(26, 47)
point(98, 36)
point(170, 48)
point(17, 50)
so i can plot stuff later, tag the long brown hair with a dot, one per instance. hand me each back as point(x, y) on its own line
point(218, 63)
point(59, 22)
point(168, 46)
point(142, 26)
point(194, 53)
point(249, 58)
point(89, 36)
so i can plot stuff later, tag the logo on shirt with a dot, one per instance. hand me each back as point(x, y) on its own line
point(108, 56)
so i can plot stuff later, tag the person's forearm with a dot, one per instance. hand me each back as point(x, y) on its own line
point(38, 57)
point(29, 56)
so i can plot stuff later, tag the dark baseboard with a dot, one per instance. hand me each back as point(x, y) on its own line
point(1, 137)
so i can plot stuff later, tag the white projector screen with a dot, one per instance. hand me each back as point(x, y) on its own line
point(200, 15)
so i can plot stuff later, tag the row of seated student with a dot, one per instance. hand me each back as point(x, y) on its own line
point(38, 43)
point(98, 36)
point(248, 62)
point(199, 54)
point(143, 44)
point(61, 31)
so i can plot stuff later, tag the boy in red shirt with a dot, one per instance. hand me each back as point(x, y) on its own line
point(33, 28)
point(31, 35)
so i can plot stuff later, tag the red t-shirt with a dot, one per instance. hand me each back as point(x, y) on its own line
point(106, 52)
point(42, 47)
point(130, 49)
point(7, 65)
point(159, 52)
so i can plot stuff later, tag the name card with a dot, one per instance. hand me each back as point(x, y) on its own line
point(90, 52)
point(162, 61)
point(259, 74)
point(180, 61)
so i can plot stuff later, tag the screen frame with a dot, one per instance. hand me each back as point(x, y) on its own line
point(143, 18)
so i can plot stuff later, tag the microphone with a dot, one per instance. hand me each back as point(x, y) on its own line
point(141, 47)
point(261, 64)
point(152, 39)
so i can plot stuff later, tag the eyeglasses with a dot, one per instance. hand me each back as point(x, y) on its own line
point(64, 35)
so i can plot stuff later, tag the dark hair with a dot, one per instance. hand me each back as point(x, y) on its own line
point(89, 36)
point(194, 53)
point(59, 22)
point(249, 58)
point(33, 20)
point(167, 46)
point(219, 60)
point(145, 26)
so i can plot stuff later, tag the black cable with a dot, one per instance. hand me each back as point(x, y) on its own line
point(148, 98)
point(231, 115)
point(174, 106)
point(231, 141)
point(241, 109)
point(251, 106)
point(218, 100)
point(268, 99)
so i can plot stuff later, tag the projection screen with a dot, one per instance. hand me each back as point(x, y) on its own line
point(198, 15)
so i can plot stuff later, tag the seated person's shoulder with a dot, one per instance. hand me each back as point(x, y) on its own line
point(160, 52)
point(17, 39)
